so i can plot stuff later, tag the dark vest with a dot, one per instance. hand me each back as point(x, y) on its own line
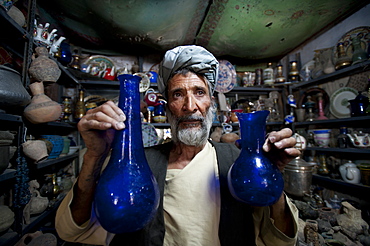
point(236, 223)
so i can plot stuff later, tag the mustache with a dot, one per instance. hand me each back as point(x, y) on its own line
point(190, 118)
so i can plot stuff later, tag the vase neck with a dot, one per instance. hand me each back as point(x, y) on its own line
point(37, 88)
point(131, 136)
point(253, 130)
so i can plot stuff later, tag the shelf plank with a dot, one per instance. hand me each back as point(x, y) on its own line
point(9, 238)
point(50, 162)
point(357, 190)
point(241, 89)
point(344, 150)
point(11, 117)
point(333, 121)
point(7, 174)
point(361, 67)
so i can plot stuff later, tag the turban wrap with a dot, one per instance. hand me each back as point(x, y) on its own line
point(192, 57)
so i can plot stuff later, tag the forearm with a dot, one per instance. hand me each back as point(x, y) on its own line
point(84, 189)
point(283, 219)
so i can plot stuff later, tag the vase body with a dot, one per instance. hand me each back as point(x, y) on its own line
point(358, 55)
point(64, 53)
point(41, 109)
point(42, 68)
point(253, 179)
point(127, 195)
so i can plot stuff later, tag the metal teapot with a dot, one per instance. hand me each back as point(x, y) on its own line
point(360, 139)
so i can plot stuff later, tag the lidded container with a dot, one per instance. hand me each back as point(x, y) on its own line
point(298, 173)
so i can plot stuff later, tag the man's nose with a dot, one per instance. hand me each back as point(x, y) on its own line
point(190, 104)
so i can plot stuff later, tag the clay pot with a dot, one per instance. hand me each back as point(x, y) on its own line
point(6, 218)
point(37, 239)
point(35, 150)
point(38, 204)
point(41, 109)
point(43, 68)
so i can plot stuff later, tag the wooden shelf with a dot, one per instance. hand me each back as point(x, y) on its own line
point(357, 190)
point(361, 67)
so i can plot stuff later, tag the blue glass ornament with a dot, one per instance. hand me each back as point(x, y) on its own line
point(65, 53)
point(252, 178)
point(127, 194)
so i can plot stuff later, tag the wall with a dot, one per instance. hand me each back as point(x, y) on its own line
point(331, 37)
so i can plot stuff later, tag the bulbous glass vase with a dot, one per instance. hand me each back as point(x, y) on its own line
point(127, 194)
point(252, 178)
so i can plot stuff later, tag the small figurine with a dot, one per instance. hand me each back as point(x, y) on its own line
point(291, 101)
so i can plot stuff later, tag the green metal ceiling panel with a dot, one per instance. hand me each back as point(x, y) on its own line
point(161, 24)
point(260, 29)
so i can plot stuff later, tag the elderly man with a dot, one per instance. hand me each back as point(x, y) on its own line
point(196, 207)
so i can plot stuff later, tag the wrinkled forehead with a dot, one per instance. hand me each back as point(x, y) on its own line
point(188, 81)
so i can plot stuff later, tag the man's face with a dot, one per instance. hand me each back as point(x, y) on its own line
point(190, 112)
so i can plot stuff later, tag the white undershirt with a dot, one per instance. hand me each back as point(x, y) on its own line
point(192, 202)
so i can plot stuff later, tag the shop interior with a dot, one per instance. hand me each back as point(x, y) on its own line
point(307, 63)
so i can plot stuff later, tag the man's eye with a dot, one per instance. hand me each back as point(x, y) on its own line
point(176, 94)
point(200, 93)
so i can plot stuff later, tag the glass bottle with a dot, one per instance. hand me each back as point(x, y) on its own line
point(343, 59)
point(268, 75)
point(342, 138)
point(127, 194)
point(80, 109)
point(358, 55)
point(252, 178)
point(293, 73)
point(279, 74)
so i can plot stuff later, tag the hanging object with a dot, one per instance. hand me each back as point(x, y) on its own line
point(127, 194)
point(252, 178)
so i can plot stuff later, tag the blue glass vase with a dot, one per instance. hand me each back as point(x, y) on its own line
point(252, 178)
point(127, 194)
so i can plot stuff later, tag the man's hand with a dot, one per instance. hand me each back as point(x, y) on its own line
point(98, 125)
point(280, 147)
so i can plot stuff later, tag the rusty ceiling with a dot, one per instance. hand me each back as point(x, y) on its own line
point(247, 30)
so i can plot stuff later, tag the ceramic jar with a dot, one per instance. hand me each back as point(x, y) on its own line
point(35, 150)
point(160, 112)
point(41, 109)
point(42, 68)
point(350, 173)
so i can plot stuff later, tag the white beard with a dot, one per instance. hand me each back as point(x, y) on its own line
point(192, 136)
